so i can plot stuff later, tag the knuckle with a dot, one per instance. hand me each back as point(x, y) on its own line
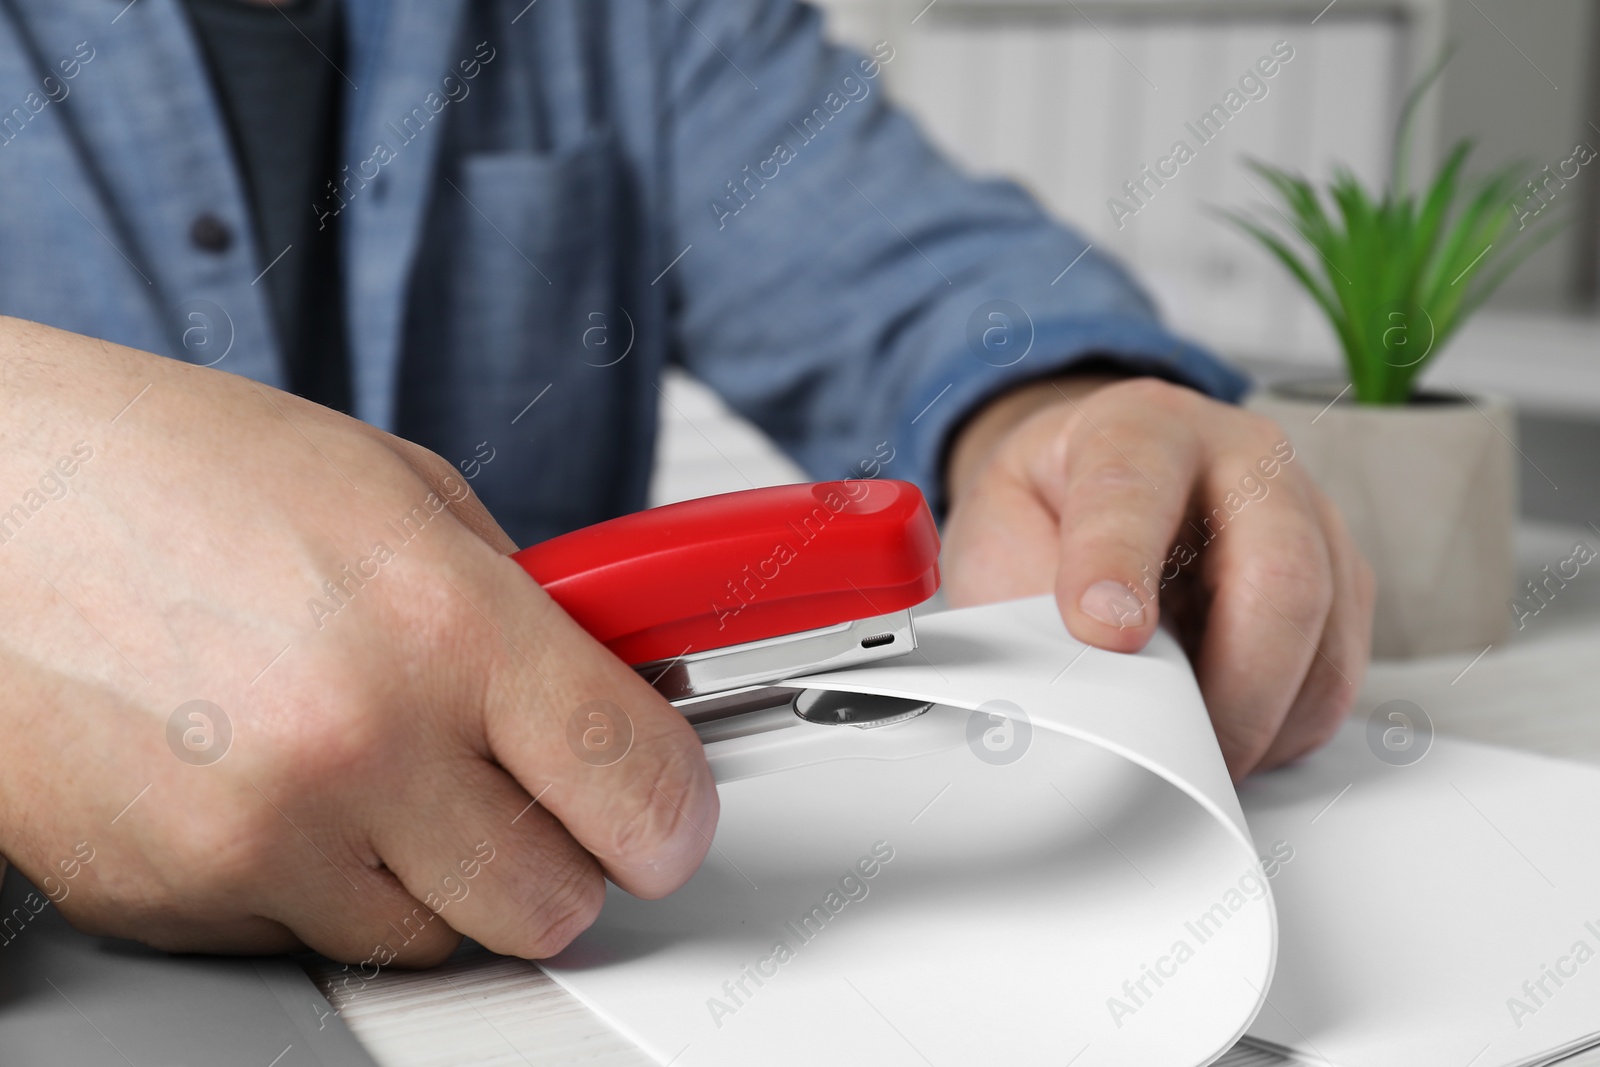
point(435, 470)
point(432, 617)
point(1113, 466)
point(219, 854)
point(452, 487)
point(1109, 474)
point(432, 947)
point(1264, 430)
point(648, 819)
point(1153, 393)
point(329, 739)
point(1325, 706)
point(422, 936)
point(1339, 536)
point(1247, 740)
point(1323, 711)
point(431, 461)
point(1296, 580)
point(572, 902)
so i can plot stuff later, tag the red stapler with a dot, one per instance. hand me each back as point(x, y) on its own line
point(711, 600)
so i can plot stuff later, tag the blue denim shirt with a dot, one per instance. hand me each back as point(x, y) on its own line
point(544, 205)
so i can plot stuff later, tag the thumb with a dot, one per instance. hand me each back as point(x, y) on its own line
point(453, 489)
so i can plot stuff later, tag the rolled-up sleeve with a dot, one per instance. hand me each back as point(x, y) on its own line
point(843, 285)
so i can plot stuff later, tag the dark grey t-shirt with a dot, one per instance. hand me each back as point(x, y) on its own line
point(273, 68)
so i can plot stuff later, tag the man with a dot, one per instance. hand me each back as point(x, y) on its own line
point(482, 229)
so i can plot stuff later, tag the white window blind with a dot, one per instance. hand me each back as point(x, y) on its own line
point(1073, 100)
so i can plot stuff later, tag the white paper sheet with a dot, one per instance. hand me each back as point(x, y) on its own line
point(1098, 897)
point(1422, 899)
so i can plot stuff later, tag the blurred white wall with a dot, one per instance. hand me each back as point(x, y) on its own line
point(1074, 97)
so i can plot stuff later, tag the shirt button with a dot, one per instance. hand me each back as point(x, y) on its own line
point(211, 234)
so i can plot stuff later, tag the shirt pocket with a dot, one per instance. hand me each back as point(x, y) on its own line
point(514, 326)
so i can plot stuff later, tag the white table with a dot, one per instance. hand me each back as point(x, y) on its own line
point(1538, 691)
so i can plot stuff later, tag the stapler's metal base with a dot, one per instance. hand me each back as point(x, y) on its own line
point(762, 708)
point(721, 670)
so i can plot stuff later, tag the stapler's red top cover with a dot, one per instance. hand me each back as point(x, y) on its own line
point(724, 570)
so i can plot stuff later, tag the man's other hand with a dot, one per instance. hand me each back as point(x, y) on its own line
point(1127, 498)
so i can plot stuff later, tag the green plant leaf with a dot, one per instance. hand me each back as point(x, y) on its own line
point(1440, 195)
point(1301, 199)
point(1408, 111)
point(1504, 265)
point(1393, 258)
point(1286, 256)
point(1468, 241)
point(1296, 266)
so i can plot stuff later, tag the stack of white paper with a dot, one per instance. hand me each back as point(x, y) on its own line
point(1052, 867)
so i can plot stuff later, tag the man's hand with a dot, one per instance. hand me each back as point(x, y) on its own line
point(1126, 497)
point(398, 738)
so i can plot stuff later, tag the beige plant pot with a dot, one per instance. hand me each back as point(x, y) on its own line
point(1429, 491)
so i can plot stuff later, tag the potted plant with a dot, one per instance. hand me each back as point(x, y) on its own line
point(1426, 479)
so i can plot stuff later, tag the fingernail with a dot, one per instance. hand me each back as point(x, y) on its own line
point(1112, 603)
point(699, 824)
